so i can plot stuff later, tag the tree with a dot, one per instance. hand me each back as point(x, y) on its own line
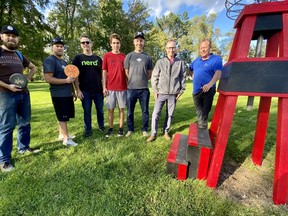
point(187, 33)
point(110, 20)
point(62, 18)
point(31, 26)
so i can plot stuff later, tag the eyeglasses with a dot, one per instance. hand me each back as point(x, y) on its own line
point(171, 48)
point(85, 42)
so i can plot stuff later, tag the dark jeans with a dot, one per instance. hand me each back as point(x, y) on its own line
point(15, 108)
point(97, 98)
point(203, 104)
point(143, 95)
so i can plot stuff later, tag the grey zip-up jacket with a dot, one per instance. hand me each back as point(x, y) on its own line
point(169, 78)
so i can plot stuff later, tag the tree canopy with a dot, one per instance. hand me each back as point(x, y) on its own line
point(40, 21)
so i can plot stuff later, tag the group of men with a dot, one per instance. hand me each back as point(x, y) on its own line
point(122, 79)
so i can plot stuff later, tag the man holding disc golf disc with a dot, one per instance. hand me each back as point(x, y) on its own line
point(15, 107)
point(89, 84)
point(61, 89)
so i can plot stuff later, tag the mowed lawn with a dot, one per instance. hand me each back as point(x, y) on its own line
point(120, 176)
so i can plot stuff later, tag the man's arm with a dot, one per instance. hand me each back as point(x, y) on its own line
point(79, 93)
point(149, 74)
point(183, 81)
point(104, 81)
point(11, 87)
point(127, 73)
point(155, 73)
point(32, 70)
point(48, 76)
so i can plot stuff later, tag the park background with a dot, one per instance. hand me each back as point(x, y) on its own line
point(120, 176)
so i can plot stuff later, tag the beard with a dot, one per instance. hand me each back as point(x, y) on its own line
point(11, 45)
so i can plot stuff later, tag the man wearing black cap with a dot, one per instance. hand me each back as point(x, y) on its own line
point(89, 84)
point(15, 107)
point(138, 67)
point(61, 89)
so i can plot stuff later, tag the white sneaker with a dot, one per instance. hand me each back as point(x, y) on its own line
point(70, 136)
point(128, 133)
point(145, 134)
point(69, 142)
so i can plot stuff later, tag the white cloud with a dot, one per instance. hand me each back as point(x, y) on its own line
point(160, 7)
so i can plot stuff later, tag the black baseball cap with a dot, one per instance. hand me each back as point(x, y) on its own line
point(139, 34)
point(57, 40)
point(9, 29)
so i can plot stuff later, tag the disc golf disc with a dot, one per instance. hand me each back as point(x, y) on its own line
point(19, 80)
point(71, 71)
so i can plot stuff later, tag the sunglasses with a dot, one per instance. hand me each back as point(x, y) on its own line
point(87, 42)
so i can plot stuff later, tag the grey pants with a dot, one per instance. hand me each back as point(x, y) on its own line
point(170, 107)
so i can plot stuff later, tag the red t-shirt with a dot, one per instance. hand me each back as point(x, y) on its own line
point(114, 65)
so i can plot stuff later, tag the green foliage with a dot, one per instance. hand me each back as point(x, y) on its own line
point(98, 19)
point(117, 176)
point(27, 16)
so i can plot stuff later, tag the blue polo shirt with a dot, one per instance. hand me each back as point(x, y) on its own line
point(204, 71)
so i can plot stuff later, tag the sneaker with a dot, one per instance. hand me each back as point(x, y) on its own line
point(109, 133)
point(120, 132)
point(203, 125)
point(70, 136)
point(88, 133)
point(129, 133)
point(167, 137)
point(29, 150)
point(145, 134)
point(69, 142)
point(102, 129)
point(6, 167)
point(151, 139)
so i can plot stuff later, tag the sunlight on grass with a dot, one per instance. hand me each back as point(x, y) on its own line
point(119, 176)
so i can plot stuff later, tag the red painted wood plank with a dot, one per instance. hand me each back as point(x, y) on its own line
point(174, 148)
point(182, 172)
point(280, 188)
point(284, 42)
point(221, 141)
point(272, 47)
point(245, 37)
point(218, 113)
point(204, 160)
point(261, 130)
point(193, 135)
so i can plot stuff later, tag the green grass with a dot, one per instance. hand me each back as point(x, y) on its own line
point(119, 176)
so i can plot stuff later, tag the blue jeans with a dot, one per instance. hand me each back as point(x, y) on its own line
point(97, 98)
point(15, 108)
point(143, 95)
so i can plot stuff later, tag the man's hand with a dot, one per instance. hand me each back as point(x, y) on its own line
point(178, 96)
point(74, 96)
point(70, 79)
point(80, 94)
point(206, 87)
point(155, 96)
point(105, 92)
point(15, 88)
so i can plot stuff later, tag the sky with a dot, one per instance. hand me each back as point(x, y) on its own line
point(195, 8)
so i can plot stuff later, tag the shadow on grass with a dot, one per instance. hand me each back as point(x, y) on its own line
point(241, 140)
